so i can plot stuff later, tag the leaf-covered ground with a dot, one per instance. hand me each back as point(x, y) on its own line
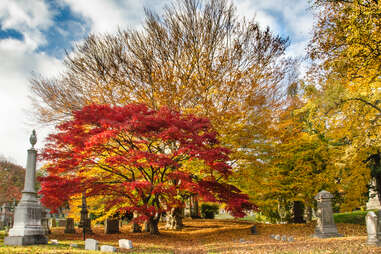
point(215, 236)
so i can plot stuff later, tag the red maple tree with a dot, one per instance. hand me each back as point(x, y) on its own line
point(140, 158)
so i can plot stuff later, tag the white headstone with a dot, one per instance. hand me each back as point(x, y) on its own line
point(91, 244)
point(371, 227)
point(277, 237)
point(284, 238)
point(125, 244)
point(108, 248)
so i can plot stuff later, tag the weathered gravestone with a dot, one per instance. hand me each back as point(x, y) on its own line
point(373, 228)
point(3, 217)
point(277, 237)
point(61, 222)
point(111, 226)
point(125, 244)
point(85, 222)
point(69, 228)
point(326, 226)
point(27, 228)
point(6, 216)
point(107, 248)
point(91, 244)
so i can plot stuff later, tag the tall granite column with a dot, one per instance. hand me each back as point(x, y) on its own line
point(27, 228)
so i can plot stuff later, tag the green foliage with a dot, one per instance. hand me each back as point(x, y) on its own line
point(356, 217)
point(208, 211)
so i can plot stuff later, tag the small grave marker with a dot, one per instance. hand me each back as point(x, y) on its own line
point(125, 244)
point(91, 244)
point(107, 248)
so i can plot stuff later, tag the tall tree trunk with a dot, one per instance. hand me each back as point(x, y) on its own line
point(152, 225)
point(175, 219)
point(377, 166)
point(376, 172)
point(194, 209)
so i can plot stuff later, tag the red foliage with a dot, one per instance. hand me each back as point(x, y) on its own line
point(138, 154)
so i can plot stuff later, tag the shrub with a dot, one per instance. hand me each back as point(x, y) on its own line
point(209, 210)
point(356, 217)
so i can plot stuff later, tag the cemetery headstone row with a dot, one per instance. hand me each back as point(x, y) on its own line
point(282, 238)
point(92, 244)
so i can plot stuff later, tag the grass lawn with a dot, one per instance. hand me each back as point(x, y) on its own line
point(215, 236)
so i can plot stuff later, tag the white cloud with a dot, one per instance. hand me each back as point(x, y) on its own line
point(107, 16)
point(21, 13)
point(246, 9)
point(27, 17)
point(293, 16)
point(15, 73)
point(298, 18)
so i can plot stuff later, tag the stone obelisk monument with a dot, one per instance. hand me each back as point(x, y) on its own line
point(27, 228)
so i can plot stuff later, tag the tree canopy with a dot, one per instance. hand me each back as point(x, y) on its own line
point(346, 52)
point(12, 181)
point(138, 160)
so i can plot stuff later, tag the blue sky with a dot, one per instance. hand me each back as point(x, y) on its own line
point(34, 35)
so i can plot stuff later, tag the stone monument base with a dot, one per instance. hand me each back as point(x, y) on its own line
point(373, 241)
point(25, 240)
point(326, 234)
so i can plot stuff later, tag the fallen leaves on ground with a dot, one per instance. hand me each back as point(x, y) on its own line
point(216, 236)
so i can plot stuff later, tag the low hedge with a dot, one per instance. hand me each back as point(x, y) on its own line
point(356, 217)
point(208, 211)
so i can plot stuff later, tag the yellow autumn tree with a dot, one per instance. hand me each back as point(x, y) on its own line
point(346, 51)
